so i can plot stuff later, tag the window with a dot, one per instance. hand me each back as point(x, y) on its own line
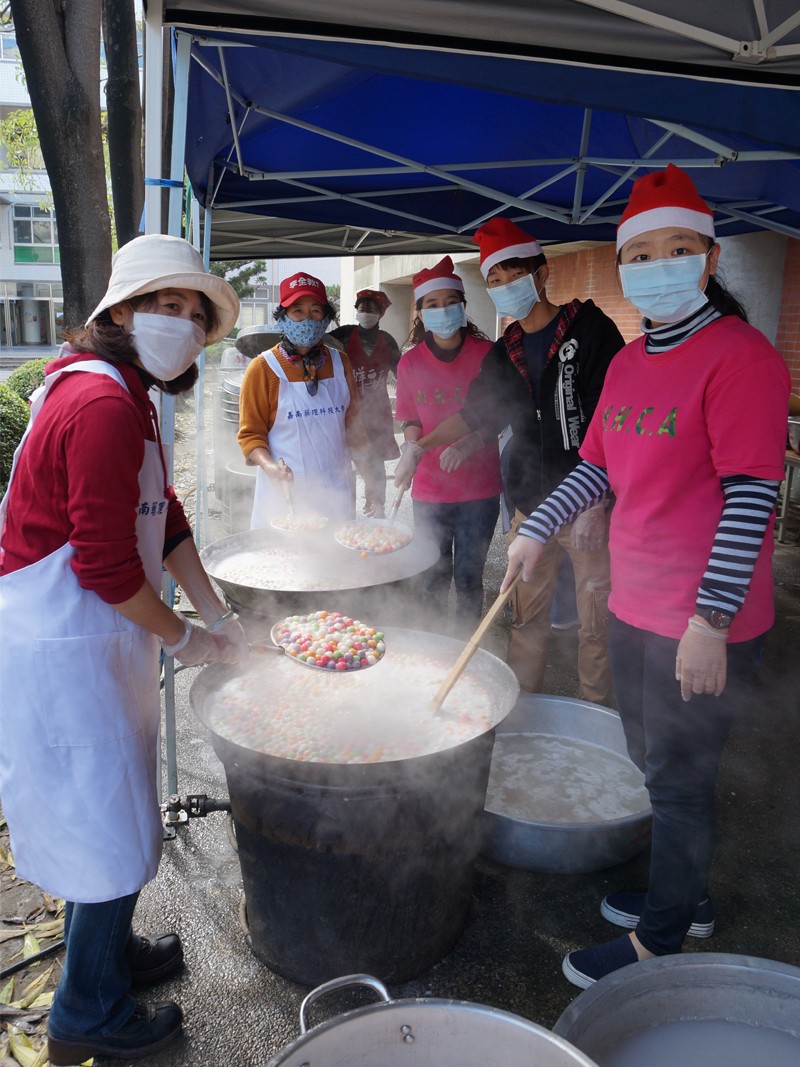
point(8, 47)
point(35, 235)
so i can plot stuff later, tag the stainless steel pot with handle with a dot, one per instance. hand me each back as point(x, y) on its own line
point(422, 1032)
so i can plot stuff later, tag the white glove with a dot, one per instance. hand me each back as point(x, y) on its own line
point(455, 454)
point(410, 455)
point(228, 628)
point(701, 665)
point(588, 532)
point(195, 647)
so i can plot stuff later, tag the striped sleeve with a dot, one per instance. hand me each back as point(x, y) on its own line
point(746, 511)
point(583, 487)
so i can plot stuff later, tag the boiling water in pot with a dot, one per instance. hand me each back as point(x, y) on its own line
point(546, 779)
point(706, 1043)
point(379, 715)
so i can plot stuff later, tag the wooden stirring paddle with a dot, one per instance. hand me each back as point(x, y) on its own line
point(471, 646)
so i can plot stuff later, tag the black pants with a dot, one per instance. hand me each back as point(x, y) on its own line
point(678, 746)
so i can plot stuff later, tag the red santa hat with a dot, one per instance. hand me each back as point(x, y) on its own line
point(442, 276)
point(664, 198)
point(299, 285)
point(501, 239)
point(381, 299)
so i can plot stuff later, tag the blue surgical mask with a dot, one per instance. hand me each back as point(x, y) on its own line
point(515, 299)
point(444, 322)
point(665, 290)
point(306, 333)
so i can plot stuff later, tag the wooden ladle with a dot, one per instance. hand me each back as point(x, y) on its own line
point(471, 646)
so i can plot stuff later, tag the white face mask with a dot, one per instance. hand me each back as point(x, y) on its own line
point(166, 346)
point(367, 319)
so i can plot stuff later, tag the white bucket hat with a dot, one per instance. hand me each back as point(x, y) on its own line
point(157, 261)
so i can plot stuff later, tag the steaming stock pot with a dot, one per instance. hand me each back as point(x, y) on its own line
point(357, 866)
point(422, 1032)
point(269, 574)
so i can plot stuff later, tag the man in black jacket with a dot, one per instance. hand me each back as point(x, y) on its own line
point(543, 378)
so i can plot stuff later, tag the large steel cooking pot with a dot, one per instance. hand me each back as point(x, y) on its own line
point(358, 866)
point(694, 1009)
point(419, 1033)
point(312, 571)
point(616, 823)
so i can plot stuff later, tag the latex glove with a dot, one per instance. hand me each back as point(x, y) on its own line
point(410, 455)
point(228, 629)
point(280, 471)
point(523, 554)
point(701, 665)
point(374, 509)
point(588, 532)
point(195, 647)
point(455, 454)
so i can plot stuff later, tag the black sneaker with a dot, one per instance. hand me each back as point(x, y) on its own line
point(153, 961)
point(587, 965)
point(149, 1028)
point(625, 909)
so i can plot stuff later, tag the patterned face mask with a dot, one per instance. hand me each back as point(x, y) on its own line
point(306, 333)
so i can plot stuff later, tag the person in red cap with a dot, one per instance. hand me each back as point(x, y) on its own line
point(543, 377)
point(689, 436)
point(299, 414)
point(373, 355)
point(456, 490)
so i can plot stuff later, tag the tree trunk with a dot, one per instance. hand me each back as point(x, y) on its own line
point(60, 49)
point(124, 105)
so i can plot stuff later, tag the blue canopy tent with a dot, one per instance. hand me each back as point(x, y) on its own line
point(336, 128)
point(382, 132)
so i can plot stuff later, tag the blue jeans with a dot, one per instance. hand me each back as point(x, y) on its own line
point(678, 746)
point(93, 995)
point(463, 532)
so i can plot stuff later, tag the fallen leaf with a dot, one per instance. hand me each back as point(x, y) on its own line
point(7, 992)
point(30, 945)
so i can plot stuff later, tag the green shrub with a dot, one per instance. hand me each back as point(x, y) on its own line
point(14, 414)
point(28, 376)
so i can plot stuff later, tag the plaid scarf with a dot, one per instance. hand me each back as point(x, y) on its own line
point(514, 334)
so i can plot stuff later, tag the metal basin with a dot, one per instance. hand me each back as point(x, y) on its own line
point(311, 572)
point(418, 1033)
point(694, 1009)
point(566, 759)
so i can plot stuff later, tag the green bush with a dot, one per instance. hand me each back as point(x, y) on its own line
point(14, 414)
point(28, 376)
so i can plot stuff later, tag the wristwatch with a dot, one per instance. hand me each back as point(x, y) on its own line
point(715, 617)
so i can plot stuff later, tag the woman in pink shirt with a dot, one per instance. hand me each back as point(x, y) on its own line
point(689, 436)
point(456, 490)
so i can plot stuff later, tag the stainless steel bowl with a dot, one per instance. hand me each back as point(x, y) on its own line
point(567, 847)
point(655, 1002)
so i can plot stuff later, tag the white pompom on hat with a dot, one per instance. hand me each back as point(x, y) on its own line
point(157, 261)
point(664, 198)
point(500, 239)
point(442, 276)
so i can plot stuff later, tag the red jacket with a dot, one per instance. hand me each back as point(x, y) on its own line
point(78, 480)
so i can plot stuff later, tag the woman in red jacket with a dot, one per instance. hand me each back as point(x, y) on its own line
point(90, 522)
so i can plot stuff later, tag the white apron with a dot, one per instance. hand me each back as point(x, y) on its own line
point(309, 435)
point(79, 713)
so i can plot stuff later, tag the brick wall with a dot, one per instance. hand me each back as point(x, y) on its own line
point(592, 273)
point(788, 336)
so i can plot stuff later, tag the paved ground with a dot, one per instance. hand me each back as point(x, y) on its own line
point(521, 923)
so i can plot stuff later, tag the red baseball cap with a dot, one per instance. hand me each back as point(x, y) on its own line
point(381, 299)
point(300, 285)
